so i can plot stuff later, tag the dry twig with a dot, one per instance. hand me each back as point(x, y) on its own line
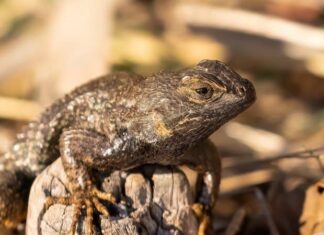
point(265, 208)
point(236, 222)
point(305, 154)
point(252, 23)
point(18, 109)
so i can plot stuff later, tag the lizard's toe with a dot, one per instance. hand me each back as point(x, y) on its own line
point(83, 200)
point(203, 215)
point(104, 196)
point(50, 201)
point(100, 207)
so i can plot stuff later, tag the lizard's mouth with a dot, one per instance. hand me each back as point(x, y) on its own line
point(243, 96)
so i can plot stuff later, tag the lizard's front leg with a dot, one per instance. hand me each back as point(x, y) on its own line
point(204, 159)
point(80, 150)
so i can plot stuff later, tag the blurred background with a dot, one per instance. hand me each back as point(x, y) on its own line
point(48, 47)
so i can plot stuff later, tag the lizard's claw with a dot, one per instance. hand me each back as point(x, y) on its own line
point(83, 200)
point(203, 215)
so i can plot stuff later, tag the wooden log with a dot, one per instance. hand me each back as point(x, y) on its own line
point(151, 200)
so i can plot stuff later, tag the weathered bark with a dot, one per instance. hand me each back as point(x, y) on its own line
point(159, 198)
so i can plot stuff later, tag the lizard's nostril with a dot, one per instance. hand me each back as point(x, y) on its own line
point(240, 90)
point(249, 91)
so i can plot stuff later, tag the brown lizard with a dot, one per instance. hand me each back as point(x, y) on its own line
point(121, 121)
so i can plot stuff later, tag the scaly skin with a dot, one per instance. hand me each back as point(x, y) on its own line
point(121, 121)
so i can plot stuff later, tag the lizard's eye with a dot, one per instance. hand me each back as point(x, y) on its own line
point(205, 92)
point(199, 90)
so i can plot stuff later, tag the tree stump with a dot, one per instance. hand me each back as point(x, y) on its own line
point(158, 198)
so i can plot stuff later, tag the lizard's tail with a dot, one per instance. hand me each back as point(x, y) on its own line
point(14, 190)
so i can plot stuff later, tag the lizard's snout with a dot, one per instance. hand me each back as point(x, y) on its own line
point(246, 89)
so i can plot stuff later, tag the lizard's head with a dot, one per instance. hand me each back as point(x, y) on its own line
point(194, 102)
point(215, 94)
point(214, 87)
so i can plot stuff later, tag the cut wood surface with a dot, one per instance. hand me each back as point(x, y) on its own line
point(151, 200)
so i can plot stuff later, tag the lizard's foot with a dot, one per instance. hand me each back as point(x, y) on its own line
point(83, 200)
point(203, 216)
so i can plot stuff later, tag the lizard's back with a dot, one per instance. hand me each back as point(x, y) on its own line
point(37, 145)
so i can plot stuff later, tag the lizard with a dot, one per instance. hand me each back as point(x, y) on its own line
point(121, 121)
